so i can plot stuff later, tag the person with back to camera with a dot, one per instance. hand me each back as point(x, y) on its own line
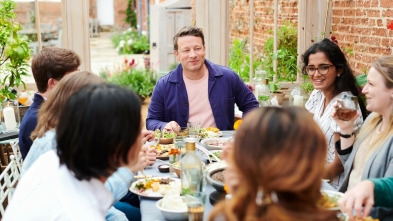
point(197, 90)
point(331, 76)
point(68, 184)
point(370, 154)
point(48, 67)
point(278, 155)
point(44, 139)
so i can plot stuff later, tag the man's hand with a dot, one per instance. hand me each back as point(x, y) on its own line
point(355, 198)
point(147, 135)
point(172, 125)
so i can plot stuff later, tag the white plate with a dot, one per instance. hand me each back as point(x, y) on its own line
point(207, 142)
point(333, 194)
point(149, 193)
point(211, 158)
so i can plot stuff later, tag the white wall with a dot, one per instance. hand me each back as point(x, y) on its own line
point(105, 12)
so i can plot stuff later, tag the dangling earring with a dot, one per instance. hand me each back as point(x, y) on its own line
point(338, 75)
point(258, 199)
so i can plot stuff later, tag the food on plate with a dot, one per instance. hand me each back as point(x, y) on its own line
point(217, 154)
point(173, 202)
point(212, 129)
point(329, 201)
point(163, 150)
point(210, 132)
point(219, 176)
point(156, 186)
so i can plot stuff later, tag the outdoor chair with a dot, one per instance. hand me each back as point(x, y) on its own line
point(8, 181)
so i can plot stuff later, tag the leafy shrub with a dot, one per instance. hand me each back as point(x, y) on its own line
point(140, 81)
point(129, 42)
point(239, 59)
point(286, 54)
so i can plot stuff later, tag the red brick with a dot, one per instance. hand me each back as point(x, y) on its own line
point(387, 13)
point(349, 12)
point(373, 13)
point(360, 12)
point(374, 3)
point(383, 32)
point(386, 3)
point(338, 12)
point(370, 40)
point(380, 22)
point(385, 42)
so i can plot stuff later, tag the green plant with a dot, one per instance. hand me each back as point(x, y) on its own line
point(286, 54)
point(173, 66)
point(239, 59)
point(131, 15)
point(129, 42)
point(139, 80)
point(14, 50)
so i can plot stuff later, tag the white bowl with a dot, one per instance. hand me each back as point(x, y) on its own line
point(214, 143)
point(172, 215)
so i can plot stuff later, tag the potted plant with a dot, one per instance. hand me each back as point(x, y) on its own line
point(15, 51)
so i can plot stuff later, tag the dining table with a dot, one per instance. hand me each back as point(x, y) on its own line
point(148, 208)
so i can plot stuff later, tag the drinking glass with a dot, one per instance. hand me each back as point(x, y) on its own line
point(196, 206)
point(193, 129)
point(347, 107)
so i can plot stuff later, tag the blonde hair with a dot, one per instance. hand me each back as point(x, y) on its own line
point(49, 113)
point(384, 66)
point(280, 151)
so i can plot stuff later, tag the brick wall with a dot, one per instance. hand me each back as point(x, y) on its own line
point(361, 25)
point(358, 25)
point(239, 20)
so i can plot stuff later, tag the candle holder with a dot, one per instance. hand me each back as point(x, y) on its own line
point(10, 118)
point(297, 97)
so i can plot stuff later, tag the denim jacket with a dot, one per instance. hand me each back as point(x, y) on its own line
point(117, 184)
point(169, 101)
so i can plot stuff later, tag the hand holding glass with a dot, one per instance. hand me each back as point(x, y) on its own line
point(347, 107)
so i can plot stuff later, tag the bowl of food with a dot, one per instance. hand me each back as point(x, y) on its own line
point(166, 136)
point(216, 179)
point(215, 143)
point(173, 207)
point(216, 153)
point(329, 200)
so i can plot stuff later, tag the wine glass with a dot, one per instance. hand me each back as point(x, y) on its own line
point(347, 107)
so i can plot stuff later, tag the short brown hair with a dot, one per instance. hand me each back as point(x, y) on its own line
point(49, 114)
point(188, 31)
point(53, 63)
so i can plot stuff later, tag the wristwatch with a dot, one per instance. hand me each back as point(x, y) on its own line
point(346, 135)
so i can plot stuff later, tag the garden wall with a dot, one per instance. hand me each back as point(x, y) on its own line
point(359, 26)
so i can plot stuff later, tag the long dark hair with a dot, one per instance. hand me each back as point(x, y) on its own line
point(97, 130)
point(346, 81)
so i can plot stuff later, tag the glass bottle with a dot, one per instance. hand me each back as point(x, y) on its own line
point(263, 93)
point(191, 171)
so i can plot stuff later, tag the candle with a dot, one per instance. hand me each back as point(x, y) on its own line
point(9, 118)
point(298, 100)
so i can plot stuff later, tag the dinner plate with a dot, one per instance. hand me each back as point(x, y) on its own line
point(149, 193)
point(211, 143)
point(333, 196)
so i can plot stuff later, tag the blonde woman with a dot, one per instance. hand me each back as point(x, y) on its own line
point(370, 154)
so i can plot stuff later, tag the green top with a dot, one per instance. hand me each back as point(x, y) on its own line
point(383, 192)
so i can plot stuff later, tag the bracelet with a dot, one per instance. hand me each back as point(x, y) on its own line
point(346, 135)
